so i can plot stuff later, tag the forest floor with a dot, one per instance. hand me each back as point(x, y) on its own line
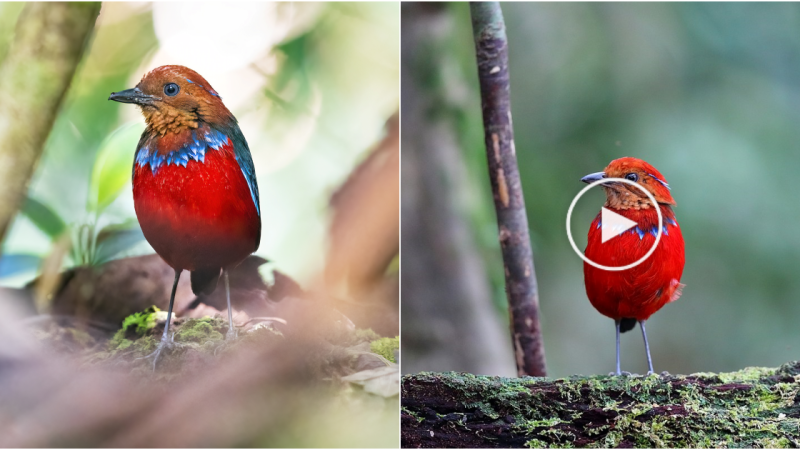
point(201, 341)
point(333, 386)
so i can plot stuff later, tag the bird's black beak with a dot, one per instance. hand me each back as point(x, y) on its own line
point(134, 95)
point(592, 177)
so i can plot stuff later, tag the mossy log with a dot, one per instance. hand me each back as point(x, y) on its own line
point(751, 408)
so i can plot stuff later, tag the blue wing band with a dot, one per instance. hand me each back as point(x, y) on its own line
point(196, 148)
point(653, 229)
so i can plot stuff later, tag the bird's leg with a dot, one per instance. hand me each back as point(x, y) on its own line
point(231, 330)
point(617, 324)
point(166, 339)
point(647, 348)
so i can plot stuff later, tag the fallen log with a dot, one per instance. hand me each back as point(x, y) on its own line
point(751, 408)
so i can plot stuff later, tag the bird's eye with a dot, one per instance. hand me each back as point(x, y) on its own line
point(171, 89)
point(632, 177)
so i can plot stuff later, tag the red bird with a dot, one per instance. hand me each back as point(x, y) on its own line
point(194, 184)
point(633, 295)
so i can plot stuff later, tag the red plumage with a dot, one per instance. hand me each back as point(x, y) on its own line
point(633, 295)
point(197, 217)
point(640, 291)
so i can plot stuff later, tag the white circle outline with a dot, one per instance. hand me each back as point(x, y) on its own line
point(615, 268)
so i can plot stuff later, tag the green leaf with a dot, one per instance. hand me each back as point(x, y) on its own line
point(112, 168)
point(114, 239)
point(43, 217)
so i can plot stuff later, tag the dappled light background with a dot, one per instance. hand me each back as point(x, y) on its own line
point(312, 85)
point(709, 93)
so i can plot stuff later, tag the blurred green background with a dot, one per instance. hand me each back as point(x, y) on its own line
point(311, 84)
point(708, 93)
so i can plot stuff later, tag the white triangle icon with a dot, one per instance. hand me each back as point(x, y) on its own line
point(613, 225)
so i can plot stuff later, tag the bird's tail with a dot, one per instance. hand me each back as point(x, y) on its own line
point(626, 324)
point(204, 281)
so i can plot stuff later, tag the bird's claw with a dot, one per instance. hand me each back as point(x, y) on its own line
point(620, 374)
point(232, 334)
point(156, 353)
point(167, 342)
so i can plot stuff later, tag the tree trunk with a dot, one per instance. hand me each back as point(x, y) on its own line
point(491, 50)
point(755, 407)
point(448, 319)
point(35, 74)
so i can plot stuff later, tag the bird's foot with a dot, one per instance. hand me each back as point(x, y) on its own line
point(232, 334)
point(620, 374)
point(166, 343)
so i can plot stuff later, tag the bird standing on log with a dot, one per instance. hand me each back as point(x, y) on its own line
point(633, 295)
point(194, 184)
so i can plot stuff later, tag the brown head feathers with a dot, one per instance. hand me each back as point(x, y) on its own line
point(176, 98)
point(625, 196)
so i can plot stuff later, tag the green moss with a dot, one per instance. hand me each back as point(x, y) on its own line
point(133, 334)
point(123, 344)
point(746, 374)
point(385, 347)
point(781, 442)
point(532, 425)
point(754, 407)
point(417, 417)
point(366, 335)
point(118, 341)
point(145, 345)
point(141, 322)
point(611, 440)
point(200, 330)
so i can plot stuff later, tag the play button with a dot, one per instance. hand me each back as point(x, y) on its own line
point(613, 224)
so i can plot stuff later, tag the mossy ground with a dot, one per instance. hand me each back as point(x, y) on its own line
point(386, 347)
point(269, 386)
point(197, 342)
point(754, 407)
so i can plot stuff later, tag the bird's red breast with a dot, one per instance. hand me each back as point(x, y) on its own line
point(640, 291)
point(193, 201)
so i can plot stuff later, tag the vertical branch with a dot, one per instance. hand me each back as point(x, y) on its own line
point(34, 76)
point(491, 48)
point(440, 258)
